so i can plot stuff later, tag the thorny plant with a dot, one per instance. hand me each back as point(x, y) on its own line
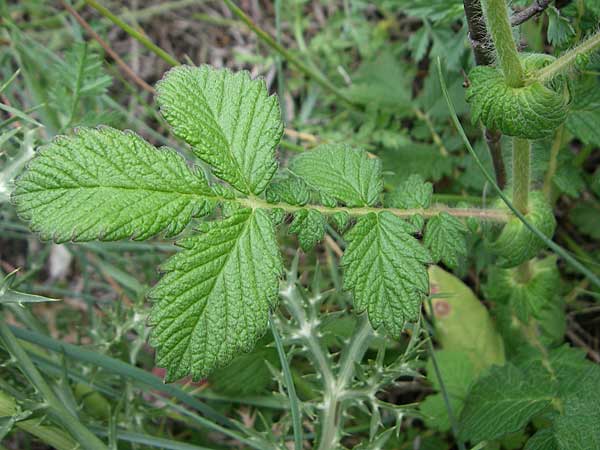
point(219, 292)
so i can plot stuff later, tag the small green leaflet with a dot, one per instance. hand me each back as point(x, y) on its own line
point(309, 225)
point(229, 120)
point(413, 193)
point(107, 184)
point(384, 269)
point(342, 172)
point(214, 300)
point(445, 237)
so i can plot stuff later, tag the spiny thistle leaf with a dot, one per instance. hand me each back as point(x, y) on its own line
point(385, 270)
point(214, 300)
point(107, 184)
point(229, 120)
point(342, 172)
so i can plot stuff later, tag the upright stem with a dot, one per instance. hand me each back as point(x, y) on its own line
point(496, 13)
point(479, 39)
point(521, 170)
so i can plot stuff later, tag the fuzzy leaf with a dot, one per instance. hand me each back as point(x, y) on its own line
point(445, 236)
point(214, 300)
point(503, 402)
point(586, 216)
point(525, 298)
point(309, 225)
point(290, 190)
point(516, 243)
point(107, 184)
point(531, 112)
point(584, 113)
point(229, 120)
point(385, 270)
point(342, 172)
point(415, 193)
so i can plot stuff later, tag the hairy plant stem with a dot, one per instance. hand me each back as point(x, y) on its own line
point(521, 170)
point(56, 408)
point(479, 39)
point(567, 60)
point(332, 415)
point(553, 164)
point(494, 215)
point(496, 13)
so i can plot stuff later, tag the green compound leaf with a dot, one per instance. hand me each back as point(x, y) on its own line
point(214, 300)
point(309, 225)
point(385, 270)
point(516, 243)
point(445, 236)
point(530, 112)
point(107, 184)
point(229, 120)
point(342, 172)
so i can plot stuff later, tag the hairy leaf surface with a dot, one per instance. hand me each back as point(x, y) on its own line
point(385, 270)
point(445, 237)
point(214, 300)
point(342, 172)
point(107, 184)
point(229, 120)
point(309, 225)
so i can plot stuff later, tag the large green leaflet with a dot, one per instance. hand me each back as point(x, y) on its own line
point(229, 120)
point(214, 300)
point(106, 184)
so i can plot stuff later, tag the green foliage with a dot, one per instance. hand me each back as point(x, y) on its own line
point(229, 120)
point(309, 225)
point(454, 305)
point(384, 270)
point(559, 385)
point(106, 184)
point(531, 111)
point(458, 372)
point(411, 194)
point(515, 243)
point(207, 310)
point(445, 238)
point(341, 172)
point(527, 293)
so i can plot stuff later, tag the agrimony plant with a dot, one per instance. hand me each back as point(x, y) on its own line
point(216, 294)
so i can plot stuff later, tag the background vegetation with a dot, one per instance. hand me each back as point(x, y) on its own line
point(353, 72)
